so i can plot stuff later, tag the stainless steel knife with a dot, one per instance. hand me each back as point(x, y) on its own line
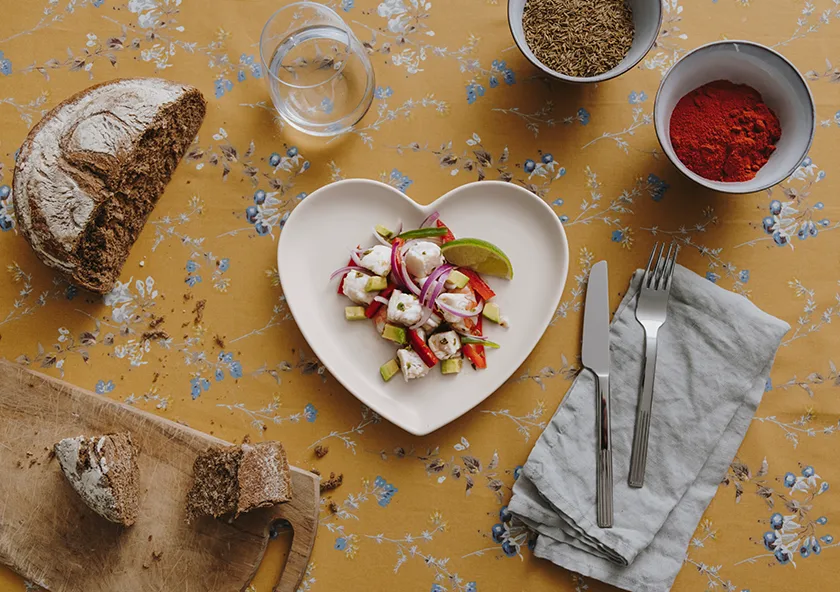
point(596, 357)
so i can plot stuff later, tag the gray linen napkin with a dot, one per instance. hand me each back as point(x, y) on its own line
point(715, 353)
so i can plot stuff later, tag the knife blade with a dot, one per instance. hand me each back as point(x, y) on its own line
point(596, 357)
point(596, 321)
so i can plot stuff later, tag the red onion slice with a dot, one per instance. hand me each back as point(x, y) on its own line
point(381, 300)
point(438, 289)
point(409, 283)
point(354, 255)
point(433, 217)
point(399, 273)
point(441, 271)
point(380, 238)
point(464, 314)
point(471, 336)
point(348, 269)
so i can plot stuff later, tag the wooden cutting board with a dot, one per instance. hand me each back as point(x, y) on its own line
point(49, 536)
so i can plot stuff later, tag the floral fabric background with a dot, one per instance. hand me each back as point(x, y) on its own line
point(455, 102)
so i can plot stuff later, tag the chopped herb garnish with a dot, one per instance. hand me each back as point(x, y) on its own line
point(400, 306)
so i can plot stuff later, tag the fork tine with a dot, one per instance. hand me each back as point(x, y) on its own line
point(671, 263)
point(649, 270)
point(660, 267)
point(663, 274)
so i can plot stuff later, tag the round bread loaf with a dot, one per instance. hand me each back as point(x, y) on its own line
point(89, 174)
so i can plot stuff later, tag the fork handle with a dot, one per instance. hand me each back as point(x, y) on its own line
point(604, 476)
point(638, 457)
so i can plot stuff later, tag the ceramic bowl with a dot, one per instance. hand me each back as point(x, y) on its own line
point(336, 217)
point(781, 85)
point(647, 19)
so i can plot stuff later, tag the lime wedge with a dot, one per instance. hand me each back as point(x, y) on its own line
point(478, 255)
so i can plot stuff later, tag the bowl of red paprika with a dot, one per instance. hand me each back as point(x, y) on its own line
point(735, 116)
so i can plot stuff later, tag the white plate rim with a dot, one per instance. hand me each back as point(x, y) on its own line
point(544, 322)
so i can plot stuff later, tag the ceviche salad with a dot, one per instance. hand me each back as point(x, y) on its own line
point(423, 290)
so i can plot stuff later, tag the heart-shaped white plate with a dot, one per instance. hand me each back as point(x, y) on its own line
point(316, 241)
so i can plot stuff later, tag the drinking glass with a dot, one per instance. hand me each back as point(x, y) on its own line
point(319, 75)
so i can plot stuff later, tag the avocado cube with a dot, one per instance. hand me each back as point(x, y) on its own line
point(456, 280)
point(383, 232)
point(375, 284)
point(389, 369)
point(492, 312)
point(395, 334)
point(354, 313)
point(452, 366)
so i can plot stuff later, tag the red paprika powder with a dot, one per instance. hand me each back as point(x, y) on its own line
point(724, 131)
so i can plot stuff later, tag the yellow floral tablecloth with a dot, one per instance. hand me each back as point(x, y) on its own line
point(455, 102)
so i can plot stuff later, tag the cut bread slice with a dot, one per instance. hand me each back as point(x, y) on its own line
point(103, 471)
point(90, 173)
point(237, 479)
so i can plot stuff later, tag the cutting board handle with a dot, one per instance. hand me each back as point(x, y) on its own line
point(302, 514)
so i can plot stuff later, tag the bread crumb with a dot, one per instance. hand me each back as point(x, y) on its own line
point(156, 555)
point(155, 377)
point(332, 483)
point(218, 340)
point(142, 262)
point(333, 507)
point(152, 335)
point(156, 321)
point(315, 471)
point(199, 312)
point(321, 451)
point(187, 297)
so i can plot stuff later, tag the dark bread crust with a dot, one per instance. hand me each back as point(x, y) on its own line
point(103, 178)
point(113, 457)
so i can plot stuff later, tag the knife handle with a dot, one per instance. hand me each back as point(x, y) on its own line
point(604, 477)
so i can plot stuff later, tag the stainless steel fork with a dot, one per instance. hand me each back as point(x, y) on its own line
point(651, 310)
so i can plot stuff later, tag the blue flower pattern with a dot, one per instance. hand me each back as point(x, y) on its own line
point(5, 65)
point(399, 180)
point(789, 216)
point(499, 71)
point(7, 209)
point(104, 387)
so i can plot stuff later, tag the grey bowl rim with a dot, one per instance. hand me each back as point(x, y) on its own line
point(615, 73)
point(735, 190)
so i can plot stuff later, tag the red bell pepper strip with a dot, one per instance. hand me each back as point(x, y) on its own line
point(419, 345)
point(341, 283)
point(374, 306)
point(448, 236)
point(476, 283)
point(474, 352)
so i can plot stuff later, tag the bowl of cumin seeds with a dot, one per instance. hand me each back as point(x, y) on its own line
point(584, 40)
